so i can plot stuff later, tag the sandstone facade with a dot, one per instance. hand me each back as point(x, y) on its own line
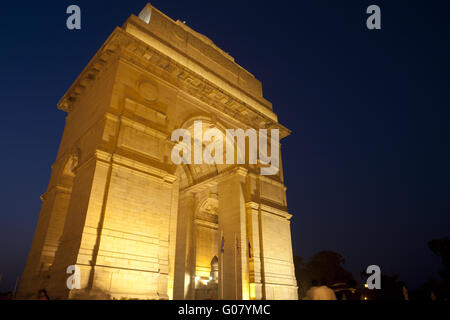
point(136, 225)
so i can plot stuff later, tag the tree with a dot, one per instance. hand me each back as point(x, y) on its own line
point(441, 248)
point(324, 267)
point(427, 290)
point(302, 276)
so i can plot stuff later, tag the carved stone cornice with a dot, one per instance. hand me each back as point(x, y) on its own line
point(274, 211)
point(85, 79)
point(136, 51)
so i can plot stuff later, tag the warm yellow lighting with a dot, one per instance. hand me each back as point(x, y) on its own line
point(366, 285)
point(365, 298)
point(252, 291)
point(197, 278)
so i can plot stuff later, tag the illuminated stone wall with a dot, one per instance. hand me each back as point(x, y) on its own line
point(138, 226)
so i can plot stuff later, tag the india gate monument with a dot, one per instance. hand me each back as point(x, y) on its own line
point(133, 210)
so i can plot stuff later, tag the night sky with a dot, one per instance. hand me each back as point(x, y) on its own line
point(367, 164)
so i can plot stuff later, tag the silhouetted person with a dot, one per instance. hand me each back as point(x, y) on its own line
point(433, 296)
point(404, 291)
point(42, 295)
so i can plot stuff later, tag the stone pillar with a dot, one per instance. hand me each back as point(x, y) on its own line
point(184, 246)
point(233, 261)
point(278, 274)
point(255, 254)
point(82, 226)
point(173, 238)
point(46, 241)
point(55, 203)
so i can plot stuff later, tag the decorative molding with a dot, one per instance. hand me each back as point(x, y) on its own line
point(85, 79)
point(136, 166)
point(272, 210)
point(207, 224)
point(146, 112)
point(128, 47)
point(56, 188)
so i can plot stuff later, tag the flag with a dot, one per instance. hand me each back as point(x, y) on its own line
point(223, 243)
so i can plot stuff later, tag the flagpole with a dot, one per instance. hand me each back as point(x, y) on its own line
point(15, 286)
point(235, 267)
point(221, 264)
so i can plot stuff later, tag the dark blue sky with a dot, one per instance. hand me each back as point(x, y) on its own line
point(367, 164)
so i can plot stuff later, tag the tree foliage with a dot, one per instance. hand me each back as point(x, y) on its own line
point(441, 248)
point(325, 267)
